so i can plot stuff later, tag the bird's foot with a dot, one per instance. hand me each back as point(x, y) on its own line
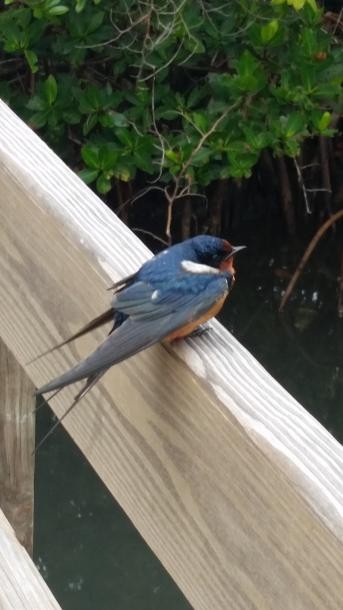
point(200, 330)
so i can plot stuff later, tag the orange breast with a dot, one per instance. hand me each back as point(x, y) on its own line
point(186, 330)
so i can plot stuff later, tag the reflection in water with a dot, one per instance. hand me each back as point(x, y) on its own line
point(85, 547)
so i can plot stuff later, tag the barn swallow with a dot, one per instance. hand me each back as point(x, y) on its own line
point(168, 298)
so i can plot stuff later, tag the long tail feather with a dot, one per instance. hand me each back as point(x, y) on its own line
point(121, 284)
point(43, 401)
point(130, 338)
point(90, 383)
point(105, 317)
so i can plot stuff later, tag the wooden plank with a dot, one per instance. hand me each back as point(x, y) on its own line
point(17, 442)
point(237, 489)
point(21, 585)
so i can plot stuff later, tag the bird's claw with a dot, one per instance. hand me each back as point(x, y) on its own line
point(201, 330)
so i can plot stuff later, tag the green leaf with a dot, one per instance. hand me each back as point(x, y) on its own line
point(39, 119)
point(309, 41)
point(50, 90)
point(88, 175)
point(297, 4)
point(32, 60)
point(12, 38)
point(222, 85)
point(167, 113)
point(36, 103)
point(295, 123)
point(55, 11)
point(269, 30)
point(93, 99)
point(89, 123)
point(258, 140)
point(143, 162)
point(251, 77)
point(71, 117)
point(201, 157)
point(113, 119)
point(324, 121)
point(196, 96)
point(125, 137)
point(95, 21)
point(80, 5)
point(200, 119)
point(172, 155)
point(313, 5)
point(124, 173)
point(327, 90)
point(103, 184)
point(108, 157)
point(292, 148)
point(90, 155)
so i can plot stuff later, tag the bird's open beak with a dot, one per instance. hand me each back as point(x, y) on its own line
point(234, 251)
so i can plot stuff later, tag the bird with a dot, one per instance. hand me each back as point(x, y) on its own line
point(169, 298)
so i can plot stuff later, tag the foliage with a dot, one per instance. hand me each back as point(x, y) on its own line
point(182, 92)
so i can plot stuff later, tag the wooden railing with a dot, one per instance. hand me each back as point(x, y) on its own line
point(236, 488)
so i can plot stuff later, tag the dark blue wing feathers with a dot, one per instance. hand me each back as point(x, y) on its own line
point(155, 311)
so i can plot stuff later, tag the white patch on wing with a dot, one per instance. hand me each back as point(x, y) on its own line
point(155, 295)
point(191, 267)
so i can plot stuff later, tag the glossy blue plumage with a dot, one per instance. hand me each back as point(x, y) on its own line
point(203, 249)
point(162, 297)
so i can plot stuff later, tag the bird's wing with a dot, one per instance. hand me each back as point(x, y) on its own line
point(153, 315)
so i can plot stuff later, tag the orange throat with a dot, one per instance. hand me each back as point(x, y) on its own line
point(228, 266)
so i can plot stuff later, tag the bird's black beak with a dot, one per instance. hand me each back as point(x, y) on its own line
point(234, 251)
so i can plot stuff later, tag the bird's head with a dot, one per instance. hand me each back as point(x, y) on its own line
point(216, 252)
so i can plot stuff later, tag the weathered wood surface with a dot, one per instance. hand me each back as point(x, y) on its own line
point(235, 487)
point(21, 585)
point(17, 443)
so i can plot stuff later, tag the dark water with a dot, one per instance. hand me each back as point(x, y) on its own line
point(86, 548)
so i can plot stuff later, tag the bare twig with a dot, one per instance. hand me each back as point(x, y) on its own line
point(145, 232)
point(206, 135)
point(170, 61)
point(157, 132)
point(179, 192)
point(313, 243)
point(302, 186)
point(118, 36)
point(339, 19)
point(170, 199)
point(139, 195)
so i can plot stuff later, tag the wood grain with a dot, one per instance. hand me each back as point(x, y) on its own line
point(17, 443)
point(21, 585)
point(237, 489)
